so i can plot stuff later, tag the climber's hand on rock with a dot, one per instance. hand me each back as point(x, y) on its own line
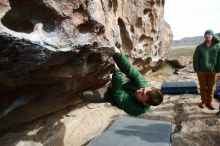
point(117, 50)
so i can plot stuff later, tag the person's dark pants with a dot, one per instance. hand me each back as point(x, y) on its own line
point(98, 95)
point(95, 96)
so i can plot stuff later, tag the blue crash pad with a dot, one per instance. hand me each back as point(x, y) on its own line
point(129, 131)
point(182, 87)
point(217, 91)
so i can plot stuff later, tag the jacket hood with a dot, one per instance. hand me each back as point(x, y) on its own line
point(215, 39)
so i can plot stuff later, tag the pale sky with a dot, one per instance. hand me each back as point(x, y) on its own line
point(189, 18)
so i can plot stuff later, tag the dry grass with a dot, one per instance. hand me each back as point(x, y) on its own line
point(162, 73)
point(182, 51)
point(166, 70)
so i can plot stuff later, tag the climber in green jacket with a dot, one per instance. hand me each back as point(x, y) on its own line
point(206, 62)
point(132, 95)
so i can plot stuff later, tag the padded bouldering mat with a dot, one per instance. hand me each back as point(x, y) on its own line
point(129, 131)
point(182, 87)
point(217, 90)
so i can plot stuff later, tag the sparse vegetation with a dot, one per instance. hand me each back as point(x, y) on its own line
point(163, 71)
point(178, 51)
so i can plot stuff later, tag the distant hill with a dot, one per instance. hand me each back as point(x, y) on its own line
point(189, 41)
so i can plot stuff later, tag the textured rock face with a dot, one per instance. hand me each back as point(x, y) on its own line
point(50, 50)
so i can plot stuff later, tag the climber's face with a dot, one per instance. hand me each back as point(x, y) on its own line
point(141, 94)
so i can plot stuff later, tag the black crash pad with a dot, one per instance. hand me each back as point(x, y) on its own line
point(129, 131)
point(182, 87)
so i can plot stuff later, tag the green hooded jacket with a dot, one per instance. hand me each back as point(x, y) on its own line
point(123, 90)
point(207, 58)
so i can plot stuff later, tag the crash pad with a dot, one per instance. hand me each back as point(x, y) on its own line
point(130, 131)
point(179, 87)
